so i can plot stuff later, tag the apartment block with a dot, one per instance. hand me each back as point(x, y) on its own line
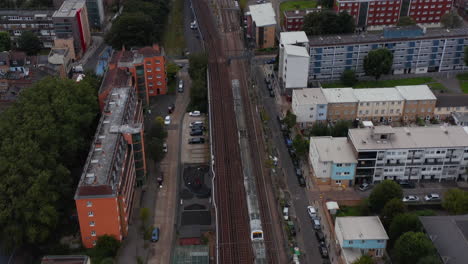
point(293, 59)
point(71, 21)
point(147, 66)
point(379, 13)
point(381, 104)
point(360, 235)
point(95, 13)
point(420, 102)
point(415, 50)
point(342, 103)
point(261, 25)
point(410, 153)
point(294, 19)
point(115, 165)
point(450, 103)
point(18, 21)
point(309, 105)
point(332, 161)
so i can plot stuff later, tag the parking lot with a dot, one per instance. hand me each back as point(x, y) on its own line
point(194, 153)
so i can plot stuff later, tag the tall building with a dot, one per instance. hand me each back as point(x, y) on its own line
point(414, 49)
point(261, 25)
point(39, 22)
point(95, 13)
point(147, 66)
point(379, 13)
point(71, 21)
point(294, 19)
point(115, 165)
point(293, 59)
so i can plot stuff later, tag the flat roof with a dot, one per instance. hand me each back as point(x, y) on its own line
point(449, 235)
point(416, 92)
point(296, 51)
point(293, 37)
point(361, 228)
point(378, 37)
point(69, 8)
point(377, 95)
point(340, 95)
point(26, 12)
point(309, 96)
point(410, 138)
point(452, 100)
point(335, 149)
point(263, 14)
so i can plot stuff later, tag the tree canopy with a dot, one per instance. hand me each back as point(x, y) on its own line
point(391, 209)
point(413, 246)
point(364, 259)
point(106, 248)
point(456, 201)
point(349, 78)
point(42, 136)
point(328, 22)
point(339, 129)
point(290, 119)
point(378, 62)
point(141, 23)
point(29, 43)
point(451, 20)
point(5, 42)
point(384, 192)
point(301, 145)
point(155, 139)
point(403, 223)
point(198, 64)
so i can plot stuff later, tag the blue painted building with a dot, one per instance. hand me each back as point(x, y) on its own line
point(360, 235)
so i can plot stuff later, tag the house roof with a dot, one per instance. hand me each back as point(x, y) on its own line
point(296, 51)
point(309, 96)
point(361, 228)
point(335, 149)
point(416, 92)
point(263, 14)
point(340, 95)
point(449, 235)
point(293, 37)
point(452, 100)
point(377, 95)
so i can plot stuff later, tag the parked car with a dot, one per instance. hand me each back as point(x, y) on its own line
point(272, 93)
point(193, 25)
point(298, 172)
point(319, 235)
point(167, 120)
point(197, 140)
point(198, 127)
point(195, 123)
point(407, 184)
point(271, 61)
point(286, 213)
point(301, 181)
point(312, 212)
point(267, 81)
point(364, 187)
point(180, 89)
point(323, 250)
point(195, 113)
point(410, 198)
point(292, 153)
point(432, 197)
point(165, 147)
point(155, 235)
point(171, 108)
point(196, 133)
point(288, 141)
point(295, 162)
point(316, 223)
point(270, 88)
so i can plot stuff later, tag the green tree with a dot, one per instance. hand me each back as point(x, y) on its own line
point(403, 223)
point(319, 130)
point(406, 21)
point(349, 78)
point(326, 3)
point(364, 259)
point(155, 148)
point(199, 91)
point(301, 145)
point(158, 129)
point(466, 55)
point(131, 29)
point(328, 22)
point(378, 62)
point(340, 128)
point(384, 192)
point(391, 209)
point(434, 259)
point(5, 41)
point(456, 201)
point(412, 246)
point(290, 119)
point(171, 70)
point(451, 20)
point(144, 215)
point(106, 247)
point(29, 43)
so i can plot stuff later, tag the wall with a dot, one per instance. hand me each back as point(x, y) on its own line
point(417, 108)
point(341, 111)
point(335, 171)
point(367, 110)
point(268, 37)
point(296, 71)
point(321, 169)
point(364, 244)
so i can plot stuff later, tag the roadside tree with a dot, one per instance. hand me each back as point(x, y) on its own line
point(413, 246)
point(384, 192)
point(391, 209)
point(456, 201)
point(364, 259)
point(290, 119)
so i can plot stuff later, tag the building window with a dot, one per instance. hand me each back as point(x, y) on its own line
point(159, 83)
point(90, 213)
point(338, 182)
point(158, 76)
point(93, 233)
point(148, 70)
point(158, 62)
point(339, 165)
point(158, 69)
point(89, 204)
point(92, 223)
point(150, 77)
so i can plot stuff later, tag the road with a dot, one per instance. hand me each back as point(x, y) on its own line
point(299, 197)
point(192, 37)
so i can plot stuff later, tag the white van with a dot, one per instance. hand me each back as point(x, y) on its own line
point(286, 213)
point(312, 212)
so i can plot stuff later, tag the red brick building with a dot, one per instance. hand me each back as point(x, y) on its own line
point(294, 19)
point(115, 165)
point(370, 13)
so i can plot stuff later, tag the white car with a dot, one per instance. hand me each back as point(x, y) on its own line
point(165, 148)
point(195, 113)
point(364, 187)
point(410, 198)
point(193, 25)
point(167, 120)
point(432, 197)
point(312, 212)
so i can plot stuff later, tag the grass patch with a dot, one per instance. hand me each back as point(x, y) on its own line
point(349, 211)
point(437, 87)
point(464, 86)
point(293, 5)
point(174, 42)
point(383, 83)
point(426, 212)
point(462, 76)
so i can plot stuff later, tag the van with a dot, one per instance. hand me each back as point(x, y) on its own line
point(155, 235)
point(286, 213)
point(312, 212)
